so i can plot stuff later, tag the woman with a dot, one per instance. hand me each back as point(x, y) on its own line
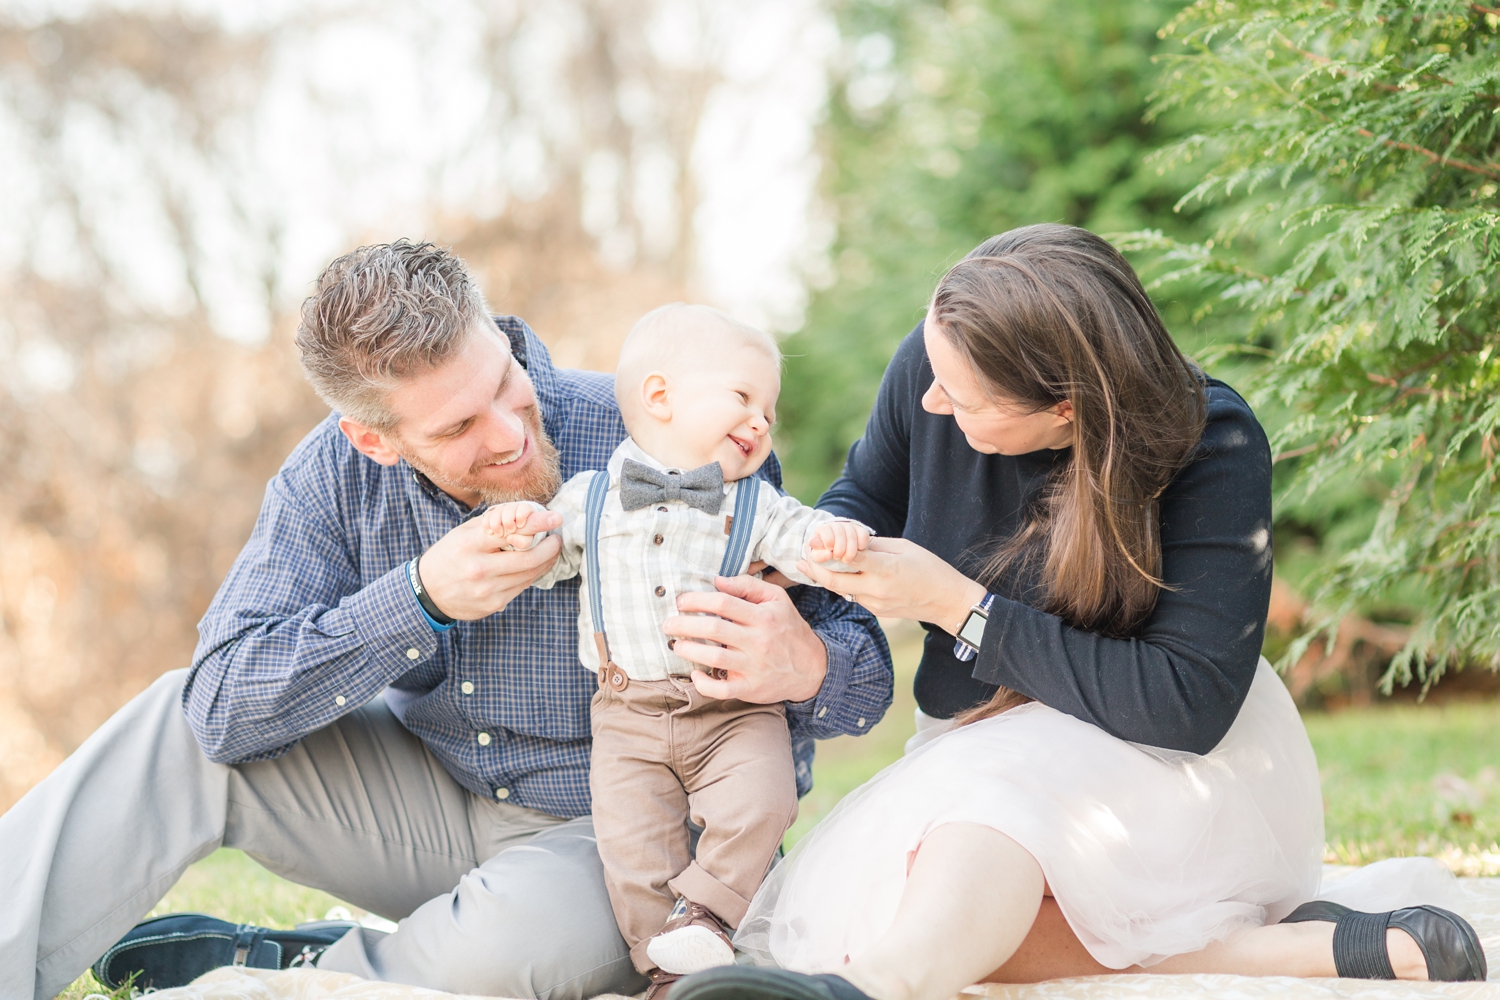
point(1082, 522)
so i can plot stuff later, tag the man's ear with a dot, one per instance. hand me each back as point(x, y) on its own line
point(656, 396)
point(370, 443)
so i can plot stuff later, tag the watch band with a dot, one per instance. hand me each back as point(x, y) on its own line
point(966, 644)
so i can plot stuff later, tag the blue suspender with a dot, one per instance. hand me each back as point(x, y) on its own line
point(593, 512)
point(741, 527)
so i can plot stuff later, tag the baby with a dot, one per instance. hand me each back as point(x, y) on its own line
point(677, 505)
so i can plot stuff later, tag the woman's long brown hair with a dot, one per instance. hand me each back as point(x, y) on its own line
point(1049, 313)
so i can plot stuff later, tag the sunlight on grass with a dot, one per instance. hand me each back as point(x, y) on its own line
point(1412, 779)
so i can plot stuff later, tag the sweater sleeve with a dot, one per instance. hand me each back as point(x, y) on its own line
point(1180, 682)
point(875, 486)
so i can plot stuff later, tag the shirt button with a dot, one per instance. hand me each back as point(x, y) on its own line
point(860, 723)
point(822, 712)
point(671, 643)
point(467, 687)
point(657, 540)
point(339, 701)
point(661, 591)
point(412, 654)
point(661, 510)
point(484, 739)
point(502, 793)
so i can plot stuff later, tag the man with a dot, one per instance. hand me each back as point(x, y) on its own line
point(379, 706)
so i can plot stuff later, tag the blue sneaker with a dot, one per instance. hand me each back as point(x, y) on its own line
point(178, 948)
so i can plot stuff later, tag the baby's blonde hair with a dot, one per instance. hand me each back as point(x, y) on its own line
point(675, 338)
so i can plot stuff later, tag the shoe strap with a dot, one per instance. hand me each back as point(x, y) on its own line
point(1359, 946)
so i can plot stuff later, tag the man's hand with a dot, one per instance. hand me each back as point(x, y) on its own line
point(767, 651)
point(469, 575)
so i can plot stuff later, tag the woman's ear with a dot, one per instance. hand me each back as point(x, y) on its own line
point(656, 396)
point(1064, 410)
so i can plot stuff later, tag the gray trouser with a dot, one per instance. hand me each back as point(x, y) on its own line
point(493, 898)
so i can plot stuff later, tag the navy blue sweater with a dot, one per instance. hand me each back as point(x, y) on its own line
point(1179, 681)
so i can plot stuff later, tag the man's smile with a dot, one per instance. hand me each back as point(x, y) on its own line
point(516, 456)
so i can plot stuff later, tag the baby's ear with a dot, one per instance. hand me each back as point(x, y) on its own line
point(656, 396)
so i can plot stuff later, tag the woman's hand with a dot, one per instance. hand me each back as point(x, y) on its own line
point(896, 578)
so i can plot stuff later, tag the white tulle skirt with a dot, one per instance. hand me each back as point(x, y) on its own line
point(1148, 852)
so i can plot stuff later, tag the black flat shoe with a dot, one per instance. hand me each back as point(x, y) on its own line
point(178, 948)
point(745, 982)
point(1448, 942)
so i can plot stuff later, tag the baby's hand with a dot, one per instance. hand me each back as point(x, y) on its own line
point(838, 542)
point(510, 523)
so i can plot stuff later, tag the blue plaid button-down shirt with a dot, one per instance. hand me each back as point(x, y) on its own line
point(317, 617)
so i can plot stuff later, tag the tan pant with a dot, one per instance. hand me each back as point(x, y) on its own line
point(663, 753)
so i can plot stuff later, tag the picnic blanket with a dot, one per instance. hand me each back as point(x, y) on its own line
point(1477, 898)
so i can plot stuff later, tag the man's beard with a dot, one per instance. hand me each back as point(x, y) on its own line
point(543, 473)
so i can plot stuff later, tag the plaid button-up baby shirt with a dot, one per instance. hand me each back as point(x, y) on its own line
point(650, 555)
point(316, 617)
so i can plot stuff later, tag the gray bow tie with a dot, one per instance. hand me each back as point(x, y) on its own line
point(641, 486)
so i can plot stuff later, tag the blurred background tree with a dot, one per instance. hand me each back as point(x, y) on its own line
point(1361, 138)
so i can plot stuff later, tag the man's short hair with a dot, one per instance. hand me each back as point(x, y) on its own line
point(381, 314)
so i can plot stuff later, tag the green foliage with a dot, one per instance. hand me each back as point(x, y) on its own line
point(950, 124)
point(1363, 136)
point(1405, 780)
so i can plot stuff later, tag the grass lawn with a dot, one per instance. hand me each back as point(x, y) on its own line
point(1397, 780)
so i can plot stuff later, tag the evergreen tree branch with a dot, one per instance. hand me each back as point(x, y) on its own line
point(1492, 173)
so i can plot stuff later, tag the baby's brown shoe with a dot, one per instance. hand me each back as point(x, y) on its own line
point(692, 939)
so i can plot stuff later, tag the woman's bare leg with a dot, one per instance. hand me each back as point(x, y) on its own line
point(1304, 949)
point(1052, 951)
point(946, 935)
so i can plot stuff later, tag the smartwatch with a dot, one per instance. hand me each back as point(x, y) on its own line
point(971, 632)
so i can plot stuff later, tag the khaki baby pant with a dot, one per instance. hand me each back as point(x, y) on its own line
point(664, 754)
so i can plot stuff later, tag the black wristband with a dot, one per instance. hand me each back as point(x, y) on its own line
point(423, 597)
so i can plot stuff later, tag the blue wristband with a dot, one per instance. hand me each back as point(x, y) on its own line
point(416, 592)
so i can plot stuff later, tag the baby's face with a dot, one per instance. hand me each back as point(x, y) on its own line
point(723, 413)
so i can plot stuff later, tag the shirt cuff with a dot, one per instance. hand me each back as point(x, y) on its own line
point(988, 663)
point(390, 624)
point(835, 685)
